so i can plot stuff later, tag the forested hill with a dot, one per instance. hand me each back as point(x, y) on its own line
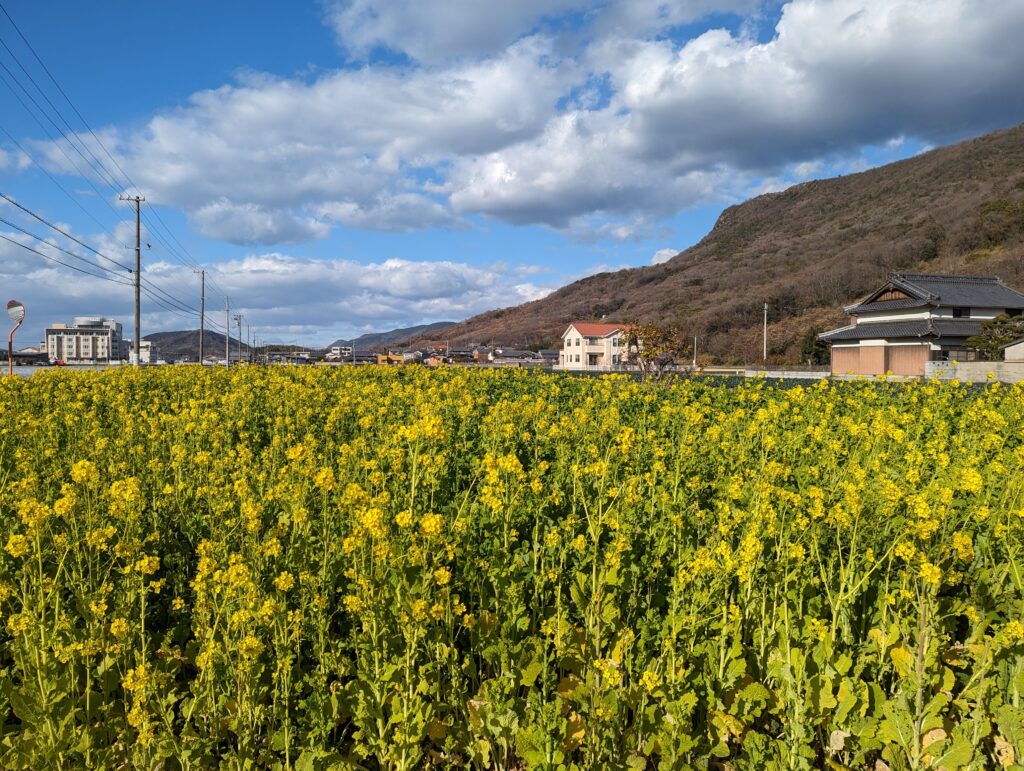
point(808, 251)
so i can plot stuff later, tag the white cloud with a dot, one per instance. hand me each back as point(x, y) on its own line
point(663, 255)
point(282, 293)
point(405, 211)
point(253, 224)
point(436, 30)
point(433, 31)
point(244, 161)
point(606, 123)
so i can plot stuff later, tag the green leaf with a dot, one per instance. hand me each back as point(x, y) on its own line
point(820, 694)
point(846, 700)
point(958, 755)
point(531, 672)
point(903, 660)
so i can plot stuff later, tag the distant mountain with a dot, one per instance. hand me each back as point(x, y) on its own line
point(807, 251)
point(375, 339)
point(171, 345)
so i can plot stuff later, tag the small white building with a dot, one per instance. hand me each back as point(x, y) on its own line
point(593, 347)
point(1014, 351)
point(87, 340)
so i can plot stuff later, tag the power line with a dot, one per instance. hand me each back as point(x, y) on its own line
point(96, 164)
point(55, 246)
point(105, 174)
point(67, 99)
point(61, 262)
point(61, 231)
point(56, 182)
point(50, 136)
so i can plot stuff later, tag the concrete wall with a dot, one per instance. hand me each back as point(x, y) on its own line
point(788, 374)
point(976, 371)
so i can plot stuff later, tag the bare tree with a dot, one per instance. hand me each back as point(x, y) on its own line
point(657, 352)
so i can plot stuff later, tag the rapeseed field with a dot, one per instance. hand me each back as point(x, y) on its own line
point(402, 569)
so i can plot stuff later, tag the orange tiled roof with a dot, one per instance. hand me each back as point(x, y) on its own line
point(597, 330)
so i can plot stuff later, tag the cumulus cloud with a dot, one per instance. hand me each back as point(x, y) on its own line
point(388, 212)
point(251, 223)
point(432, 31)
point(663, 255)
point(435, 30)
point(245, 160)
point(285, 296)
point(506, 111)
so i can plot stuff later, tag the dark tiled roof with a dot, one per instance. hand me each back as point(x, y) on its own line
point(979, 291)
point(938, 329)
point(886, 305)
point(943, 290)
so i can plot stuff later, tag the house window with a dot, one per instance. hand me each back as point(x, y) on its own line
point(615, 342)
point(961, 313)
point(591, 341)
point(577, 358)
point(577, 343)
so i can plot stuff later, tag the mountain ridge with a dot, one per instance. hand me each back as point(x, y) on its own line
point(392, 336)
point(808, 251)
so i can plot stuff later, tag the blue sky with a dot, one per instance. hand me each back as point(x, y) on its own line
point(347, 165)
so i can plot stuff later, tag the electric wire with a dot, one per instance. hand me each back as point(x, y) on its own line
point(65, 264)
point(56, 246)
point(96, 164)
point(64, 232)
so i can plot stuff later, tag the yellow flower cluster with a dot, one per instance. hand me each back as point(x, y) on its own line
point(402, 568)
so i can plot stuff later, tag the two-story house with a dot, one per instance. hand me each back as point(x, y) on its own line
point(918, 317)
point(591, 346)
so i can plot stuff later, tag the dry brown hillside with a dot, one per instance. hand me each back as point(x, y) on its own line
point(808, 251)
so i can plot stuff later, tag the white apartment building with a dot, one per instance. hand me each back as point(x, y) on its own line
point(593, 347)
point(86, 340)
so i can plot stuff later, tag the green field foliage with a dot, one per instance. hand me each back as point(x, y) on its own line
point(402, 569)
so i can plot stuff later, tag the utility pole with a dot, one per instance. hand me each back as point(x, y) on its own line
point(202, 310)
point(138, 277)
point(227, 332)
point(248, 342)
point(238, 318)
point(765, 343)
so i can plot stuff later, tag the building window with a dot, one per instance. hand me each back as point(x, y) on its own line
point(961, 313)
point(577, 341)
point(615, 342)
point(577, 358)
point(592, 341)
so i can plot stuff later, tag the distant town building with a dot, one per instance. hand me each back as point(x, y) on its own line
point(915, 318)
point(147, 352)
point(594, 347)
point(86, 340)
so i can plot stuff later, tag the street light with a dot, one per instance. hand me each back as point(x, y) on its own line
point(16, 313)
